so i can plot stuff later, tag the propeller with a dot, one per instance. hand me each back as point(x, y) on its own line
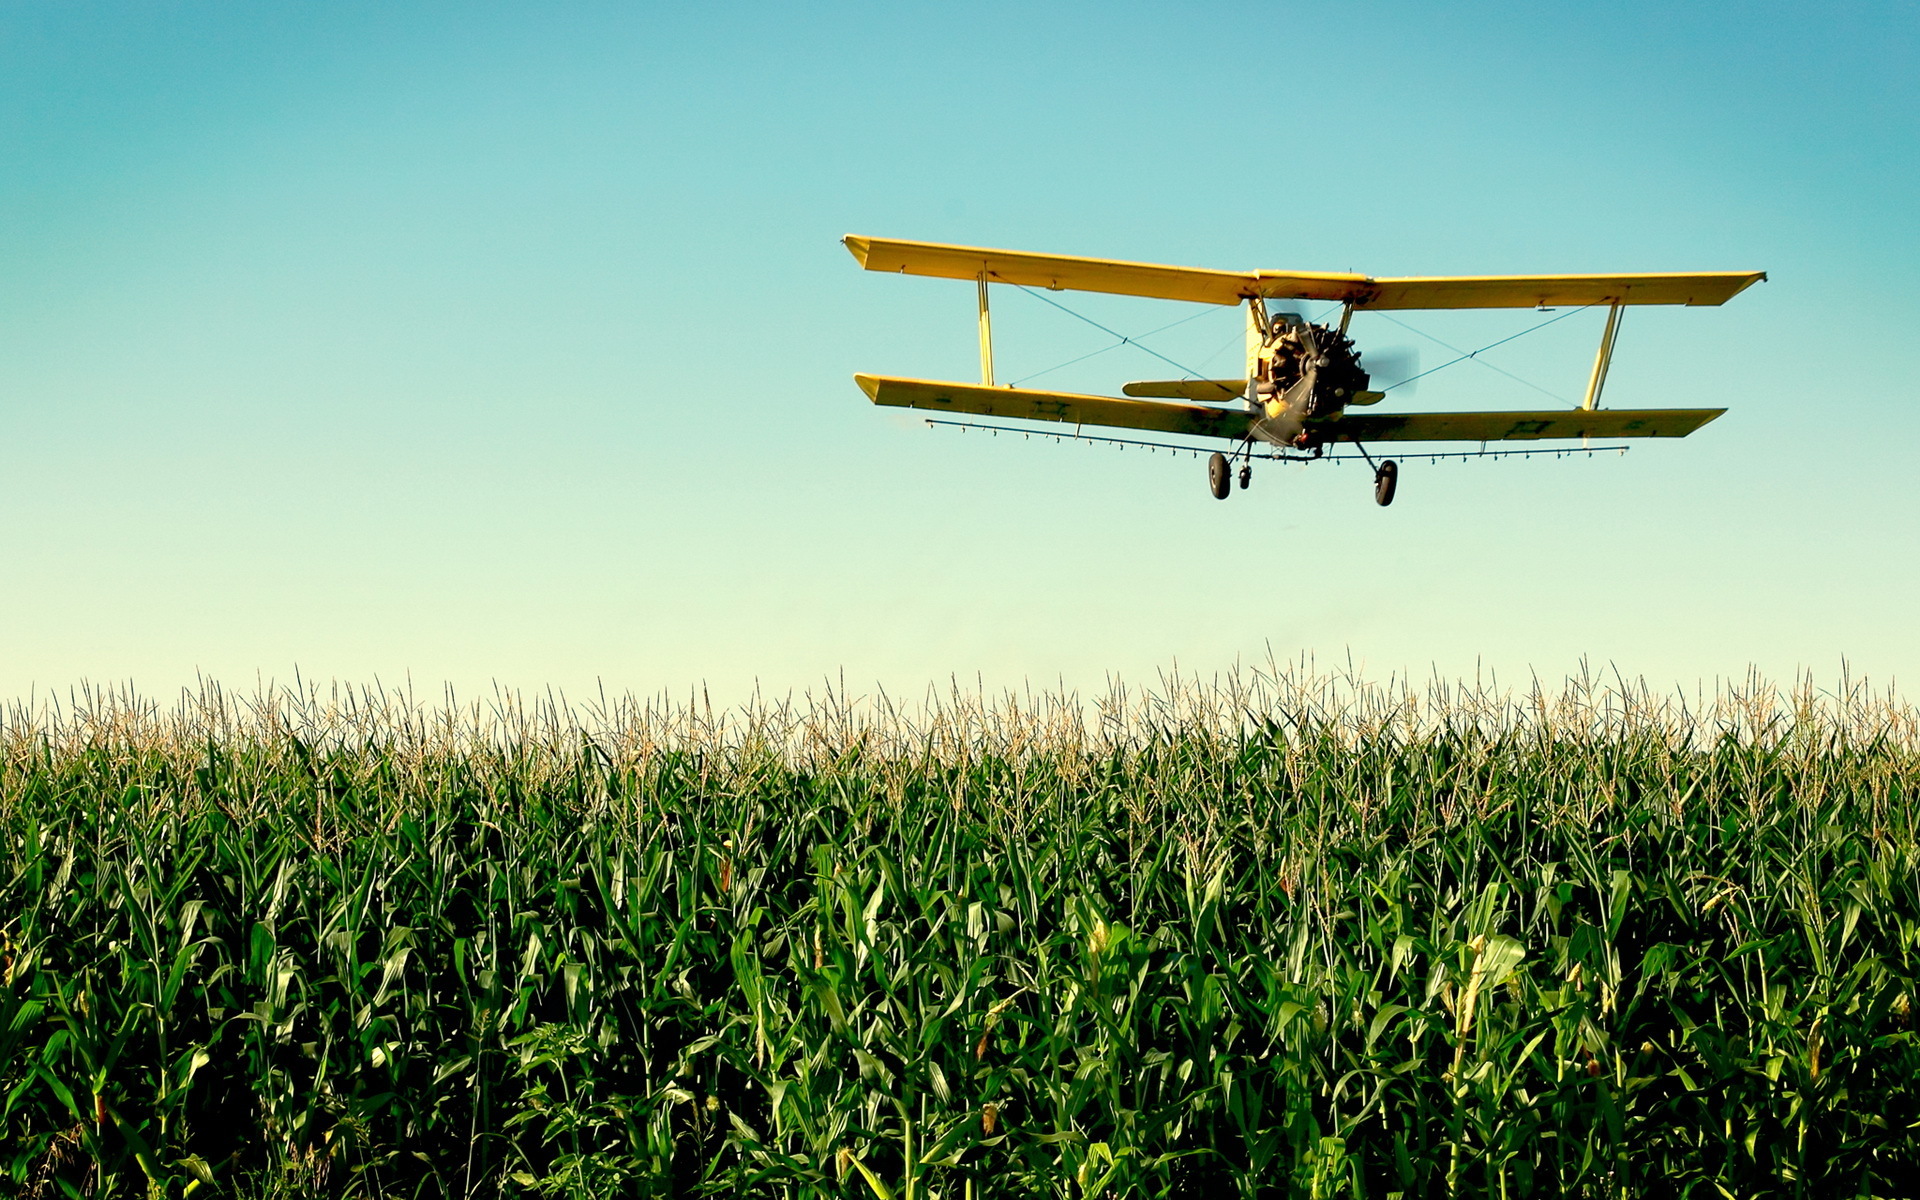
point(1392, 367)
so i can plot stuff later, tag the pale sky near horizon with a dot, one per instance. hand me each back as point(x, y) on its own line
point(512, 344)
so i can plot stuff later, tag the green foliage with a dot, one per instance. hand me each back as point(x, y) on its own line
point(1282, 936)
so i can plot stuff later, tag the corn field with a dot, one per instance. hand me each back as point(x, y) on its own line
point(1283, 934)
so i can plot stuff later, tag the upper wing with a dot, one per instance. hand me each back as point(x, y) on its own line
point(1028, 405)
point(1058, 271)
point(1514, 426)
point(1554, 291)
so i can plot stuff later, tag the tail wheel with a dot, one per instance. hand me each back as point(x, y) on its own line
point(1384, 481)
point(1219, 476)
point(1246, 476)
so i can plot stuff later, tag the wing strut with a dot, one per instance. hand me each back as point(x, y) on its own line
point(986, 334)
point(1604, 359)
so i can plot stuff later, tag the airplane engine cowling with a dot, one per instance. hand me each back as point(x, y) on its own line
point(1317, 353)
point(1338, 375)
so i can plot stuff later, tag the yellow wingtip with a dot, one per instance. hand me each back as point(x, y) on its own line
point(870, 384)
point(857, 246)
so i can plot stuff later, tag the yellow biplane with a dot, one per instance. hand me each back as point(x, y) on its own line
point(1301, 377)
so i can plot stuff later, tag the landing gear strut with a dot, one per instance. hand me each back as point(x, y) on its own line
point(1219, 476)
point(1385, 477)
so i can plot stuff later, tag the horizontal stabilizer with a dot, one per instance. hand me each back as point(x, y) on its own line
point(1188, 389)
point(1513, 426)
point(1027, 405)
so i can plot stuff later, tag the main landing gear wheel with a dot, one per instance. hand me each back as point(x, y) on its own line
point(1219, 476)
point(1384, 480)
point(1246, 476)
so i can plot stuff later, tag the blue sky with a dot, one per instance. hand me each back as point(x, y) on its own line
point(491, 343)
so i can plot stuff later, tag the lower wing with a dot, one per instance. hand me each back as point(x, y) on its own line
point(1201, 420)
point(1026, 405)
point(1512, 426)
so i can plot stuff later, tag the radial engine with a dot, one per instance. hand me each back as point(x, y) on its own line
point(1302, 370)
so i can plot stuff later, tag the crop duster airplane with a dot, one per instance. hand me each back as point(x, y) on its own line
point(1301, 377)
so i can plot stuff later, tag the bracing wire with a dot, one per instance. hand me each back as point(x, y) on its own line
point(1135, 341)
point(1124, 339)
point(1475, 354)
point(1237, 337)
